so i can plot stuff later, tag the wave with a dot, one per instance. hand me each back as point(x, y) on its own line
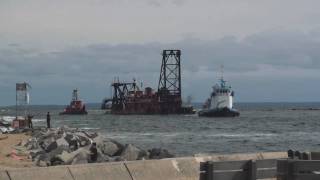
point(157, 134)
point(89, 128)
point(242, 135)
point(9, 118)
point(39, 120)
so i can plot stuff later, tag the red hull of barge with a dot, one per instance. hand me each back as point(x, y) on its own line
point(129, 99)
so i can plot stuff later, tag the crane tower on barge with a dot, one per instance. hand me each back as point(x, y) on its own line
point(169, 88)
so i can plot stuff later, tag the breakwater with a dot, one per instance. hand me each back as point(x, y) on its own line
point(64, 146)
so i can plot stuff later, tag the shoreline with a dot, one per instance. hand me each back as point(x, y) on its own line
point(10, 157)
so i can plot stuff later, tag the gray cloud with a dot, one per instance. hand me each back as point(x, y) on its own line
point(60, 23)
point(255, 65)
point(159, 3)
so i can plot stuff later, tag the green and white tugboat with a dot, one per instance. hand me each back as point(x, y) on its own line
point(220, 103)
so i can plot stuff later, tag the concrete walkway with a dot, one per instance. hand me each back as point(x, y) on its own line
point(165, 169)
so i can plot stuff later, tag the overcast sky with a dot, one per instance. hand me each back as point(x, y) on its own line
point(270, 48)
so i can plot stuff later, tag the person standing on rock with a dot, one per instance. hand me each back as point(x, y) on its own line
point(93, 152)
point(48, 120)
point(29, 118)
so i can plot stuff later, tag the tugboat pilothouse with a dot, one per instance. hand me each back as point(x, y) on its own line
point(220, 103)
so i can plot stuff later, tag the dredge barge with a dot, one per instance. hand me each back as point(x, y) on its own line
point(129, 99)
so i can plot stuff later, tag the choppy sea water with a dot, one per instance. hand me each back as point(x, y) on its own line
point(261, 127)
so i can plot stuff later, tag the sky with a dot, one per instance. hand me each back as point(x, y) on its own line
point(270, 49)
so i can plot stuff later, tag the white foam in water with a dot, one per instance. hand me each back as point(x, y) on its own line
point(9, 118)
point(172, 135)
point(128, 135)
point(117, 136)
point(38, 120)
point(82, 124)
point(242, 135)
point(89, 128)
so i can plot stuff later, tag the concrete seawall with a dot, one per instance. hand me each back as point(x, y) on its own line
point(165, 169)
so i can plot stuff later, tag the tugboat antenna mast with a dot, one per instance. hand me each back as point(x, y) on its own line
point(222, 68)
point(222, 81)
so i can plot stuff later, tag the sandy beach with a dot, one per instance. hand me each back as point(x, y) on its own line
point(7, 148)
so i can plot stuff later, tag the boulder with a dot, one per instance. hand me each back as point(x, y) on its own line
point(108, 148)
point(82, 139)
point(159, 153)
point(81, 158)
point(131, 153)
point(90, 134)
point(48, 144)
point(47, 135)
point(36, 152)
point(74, 145)
point(69, 137)
point(32, 144)
point(62, 142)
point(51, 156)
point(42, 164)
point(101, 157)
point(98, 140)
point(68, 158)
point(51, 147)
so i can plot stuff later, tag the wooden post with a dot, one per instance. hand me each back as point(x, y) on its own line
point(282, 169)
point(203, 170)
point(252, 170)
point(290, 169)
point(285, 169)
point(209, 170)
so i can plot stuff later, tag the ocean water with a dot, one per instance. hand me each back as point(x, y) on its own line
point(261, 127)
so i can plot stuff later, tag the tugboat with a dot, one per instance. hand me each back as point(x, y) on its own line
point(76, 105)
point(220, 103)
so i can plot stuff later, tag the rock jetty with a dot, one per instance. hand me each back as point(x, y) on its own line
point(66, 146)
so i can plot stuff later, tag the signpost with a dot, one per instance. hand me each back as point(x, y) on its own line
point(22, 102)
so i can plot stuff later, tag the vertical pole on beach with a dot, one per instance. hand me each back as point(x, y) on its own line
point(252, 170)
point(209, 170)
point(290, 170)
point(284, 169)
point(16, 102)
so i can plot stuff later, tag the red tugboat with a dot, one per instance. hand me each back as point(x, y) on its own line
point(76, 105)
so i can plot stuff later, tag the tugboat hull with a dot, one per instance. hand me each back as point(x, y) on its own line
point(224, 112)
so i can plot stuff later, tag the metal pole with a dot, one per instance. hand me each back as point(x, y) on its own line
point(179, 65)
point(16, 103)
point(209, 170)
